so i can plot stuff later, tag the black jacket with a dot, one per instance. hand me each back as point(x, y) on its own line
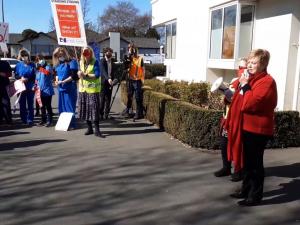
point(104, 70)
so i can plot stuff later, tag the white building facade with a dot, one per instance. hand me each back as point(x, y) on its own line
point(205, 40)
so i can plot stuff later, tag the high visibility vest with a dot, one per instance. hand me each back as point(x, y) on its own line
point(136, 71)
point(89, 85)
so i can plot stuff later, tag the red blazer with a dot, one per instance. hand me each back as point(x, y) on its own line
point(258, 105)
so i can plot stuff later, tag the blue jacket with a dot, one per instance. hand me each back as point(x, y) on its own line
point(44, 77)
point(26, 71)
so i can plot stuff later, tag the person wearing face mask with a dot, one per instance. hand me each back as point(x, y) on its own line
point(250, 124)
point(136, 74)
point(67, 90)
point(25, 71)
point(107, 69)
point(89, 91)
point(44, 78)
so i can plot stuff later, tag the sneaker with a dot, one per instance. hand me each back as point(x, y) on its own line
point(222, 172)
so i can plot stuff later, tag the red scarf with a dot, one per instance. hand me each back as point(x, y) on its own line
point(234, 124)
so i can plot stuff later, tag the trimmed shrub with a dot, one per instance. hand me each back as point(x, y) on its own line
point(287, 130)
point(199, 127)
point(153, 70)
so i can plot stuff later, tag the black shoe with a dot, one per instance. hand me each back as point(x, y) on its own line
point(238, 176)
point(41, 123)
point(88, 132)
point(249, 202)
point(238, 194)
point(222, 172)
point(106, 116)
point(98, 134)
point(48, 124)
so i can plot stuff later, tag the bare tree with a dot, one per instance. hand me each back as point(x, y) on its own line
point(118, 17)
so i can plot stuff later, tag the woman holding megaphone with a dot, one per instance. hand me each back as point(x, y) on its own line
point(250, 124)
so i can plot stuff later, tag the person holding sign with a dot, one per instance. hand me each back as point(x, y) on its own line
point(25, 71)
point(67, 91)
point(89, 91)
point(44, 78)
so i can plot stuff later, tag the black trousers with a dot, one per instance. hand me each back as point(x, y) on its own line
point(46, 101)
point(223, 146)
point(105, 99)
point(5, 108)
point(254, 173)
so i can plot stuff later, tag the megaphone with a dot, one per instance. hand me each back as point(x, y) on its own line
point(225, 88)
point(219, 85)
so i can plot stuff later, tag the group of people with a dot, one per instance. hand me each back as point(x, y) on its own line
point(87, 84)
point(247, 125)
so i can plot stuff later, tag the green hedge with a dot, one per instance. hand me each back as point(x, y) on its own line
point(199, 127)
point(153, 70)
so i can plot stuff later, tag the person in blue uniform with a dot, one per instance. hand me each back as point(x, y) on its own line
point(67, 90)
point(25, 71)
point(44, 78)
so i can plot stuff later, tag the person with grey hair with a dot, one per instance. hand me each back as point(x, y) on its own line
point(25, 71)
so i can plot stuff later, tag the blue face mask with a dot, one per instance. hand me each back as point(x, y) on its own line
point(42, 62)
point(61, 59)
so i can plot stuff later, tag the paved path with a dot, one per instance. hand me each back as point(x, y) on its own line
point(137, 175)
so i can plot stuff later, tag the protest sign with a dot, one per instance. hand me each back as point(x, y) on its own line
point(68, 20)
point(3, 32)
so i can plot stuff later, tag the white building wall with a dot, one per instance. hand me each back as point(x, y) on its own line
point(273, 31)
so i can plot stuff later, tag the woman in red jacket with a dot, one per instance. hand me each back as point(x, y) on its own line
point(250, 125)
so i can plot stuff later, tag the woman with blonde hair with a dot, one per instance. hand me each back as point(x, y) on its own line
point(67, 89)
point(25, 71)
point(89, 91)
point(250, 124)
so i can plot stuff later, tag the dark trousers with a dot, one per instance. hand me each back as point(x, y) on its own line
point(5, 108)
point(134, 87)
point(105, 99)
point(254, 173)
point(223, 146)
point(26, 106)
point(46, 101)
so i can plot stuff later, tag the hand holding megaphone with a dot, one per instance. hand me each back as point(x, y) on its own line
point(244, 78)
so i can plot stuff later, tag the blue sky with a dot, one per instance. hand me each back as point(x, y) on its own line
point(35, 14)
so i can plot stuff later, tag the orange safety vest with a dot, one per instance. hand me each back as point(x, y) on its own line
point(136, 72)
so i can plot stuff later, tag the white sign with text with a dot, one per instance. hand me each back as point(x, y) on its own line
point(68, 20)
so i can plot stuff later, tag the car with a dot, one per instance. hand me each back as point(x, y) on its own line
point(12, 62)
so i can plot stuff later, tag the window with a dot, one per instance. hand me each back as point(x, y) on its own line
point(171, 40)
point(225, 31)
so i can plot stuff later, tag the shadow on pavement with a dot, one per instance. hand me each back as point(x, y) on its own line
point(10, 133)
point(287, 192)
point(24, 144)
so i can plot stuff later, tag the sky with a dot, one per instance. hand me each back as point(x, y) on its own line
point(35, 14)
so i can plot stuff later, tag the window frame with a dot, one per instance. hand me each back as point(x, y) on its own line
point(229, 63)
point(173, 53)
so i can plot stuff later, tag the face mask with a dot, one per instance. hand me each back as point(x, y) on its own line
point(42, 62)
point(61, 59)
point(25, 58)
